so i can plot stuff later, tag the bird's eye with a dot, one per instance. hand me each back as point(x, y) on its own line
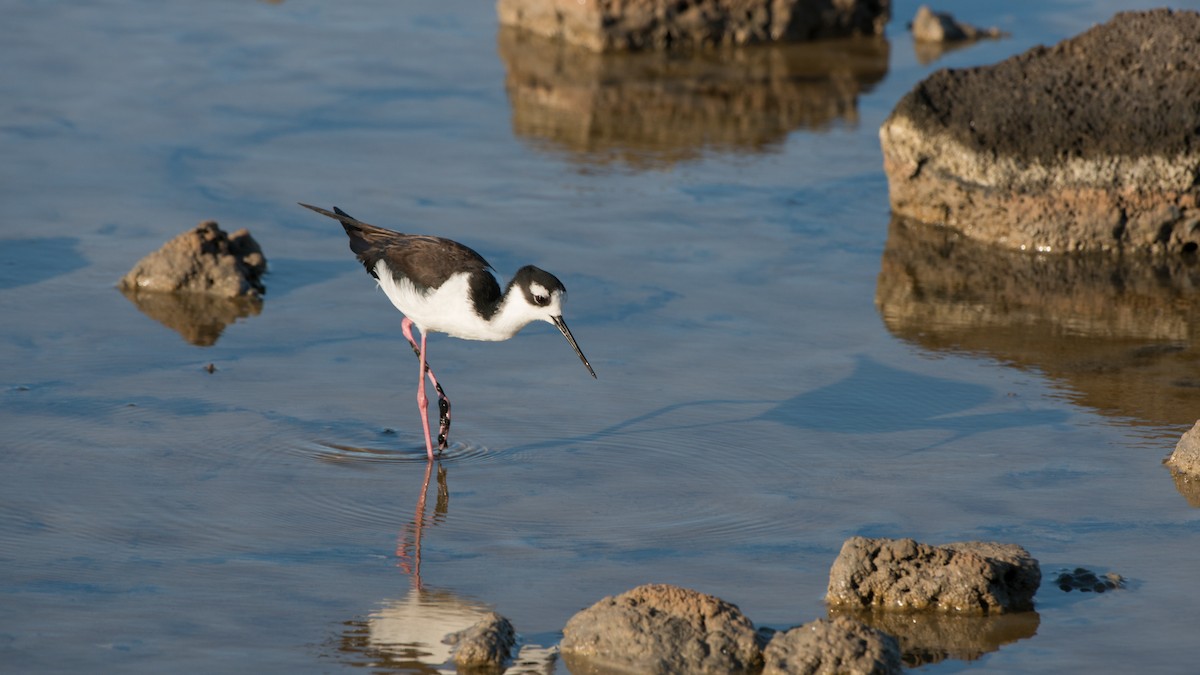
point(541, 300)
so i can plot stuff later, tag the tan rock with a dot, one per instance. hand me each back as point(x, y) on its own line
point(658, 628)
point(931, 26)
point(832, 646)
point(202, 260)
point(488, 645)
point(626, 25)
point(904, 575)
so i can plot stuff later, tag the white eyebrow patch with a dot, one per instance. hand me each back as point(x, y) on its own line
point(538, 290)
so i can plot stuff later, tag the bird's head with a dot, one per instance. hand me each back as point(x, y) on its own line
point(543, 296)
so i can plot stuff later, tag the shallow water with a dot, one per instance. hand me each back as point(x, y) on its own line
point(780, 366)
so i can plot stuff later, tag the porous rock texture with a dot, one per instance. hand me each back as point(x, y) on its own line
point(831, 646)
point(904, 575)
point(1186, 457)
point(1184, 463)
point(620, 25)
point(486, 646)
point(659, 628)
point(202, 260)
point(1093, 144)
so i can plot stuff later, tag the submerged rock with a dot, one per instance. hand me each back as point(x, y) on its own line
point(837, 645)
point(658, 628)
point(486, 646)
point(202, 260)
point(1092, 144)
point(612, 25)
point(1086, 581)
point(904, 575)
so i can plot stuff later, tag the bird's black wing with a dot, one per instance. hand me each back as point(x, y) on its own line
point(425, 260)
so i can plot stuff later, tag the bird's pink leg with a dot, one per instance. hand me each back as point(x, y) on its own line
point(422, 400)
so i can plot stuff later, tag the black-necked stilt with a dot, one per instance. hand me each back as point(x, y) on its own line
point(442, 286)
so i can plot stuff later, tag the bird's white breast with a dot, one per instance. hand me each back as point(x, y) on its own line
point(445, 309)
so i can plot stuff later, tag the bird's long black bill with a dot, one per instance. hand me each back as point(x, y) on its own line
point(562, 327)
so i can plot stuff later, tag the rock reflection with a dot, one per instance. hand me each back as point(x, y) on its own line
point(928, 52)
point(1117, 332)
point(198, 318)
point(932, 637)
point(1188, 486)
point(655, 109)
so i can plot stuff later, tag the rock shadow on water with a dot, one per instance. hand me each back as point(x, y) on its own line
point(24, 262)
point(1118, 334)
point(198, 318)
point(877, 398)
point(651, 110)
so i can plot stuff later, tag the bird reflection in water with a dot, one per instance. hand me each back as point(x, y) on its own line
point(409, 634)
point(408, 544)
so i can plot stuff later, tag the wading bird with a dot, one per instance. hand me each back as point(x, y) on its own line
point(442, 286)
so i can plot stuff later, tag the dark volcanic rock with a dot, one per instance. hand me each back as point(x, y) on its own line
point(620, 25)
point(1086, 581)
point(1093, 144)
point(658, 628)
point(903, 575)
point(202, 260)
point(838, 645)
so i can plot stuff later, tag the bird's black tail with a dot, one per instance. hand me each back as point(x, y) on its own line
point(366, 241)
point(348, 221)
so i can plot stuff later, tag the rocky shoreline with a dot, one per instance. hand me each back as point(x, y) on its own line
point(891, 602)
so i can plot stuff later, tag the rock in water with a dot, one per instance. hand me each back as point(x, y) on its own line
point(630, 25)
point(202, 260)
point(904, 575)
point(1186, 458)
point(1092, 144)
point(838, 645)
point(658, 628)
point(487, 645)
point(931, 26)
